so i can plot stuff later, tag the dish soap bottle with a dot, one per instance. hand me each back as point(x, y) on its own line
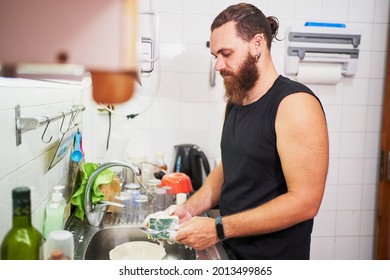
point(23, 241)
point(55, 214)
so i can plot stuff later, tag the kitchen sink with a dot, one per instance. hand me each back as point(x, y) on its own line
point(107, 239)
point(95, 243)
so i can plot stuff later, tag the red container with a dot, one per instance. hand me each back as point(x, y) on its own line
point(180, 182)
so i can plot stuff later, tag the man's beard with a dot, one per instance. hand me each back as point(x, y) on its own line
point(237, 86)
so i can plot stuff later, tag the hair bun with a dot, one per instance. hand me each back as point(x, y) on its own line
point(274, 23)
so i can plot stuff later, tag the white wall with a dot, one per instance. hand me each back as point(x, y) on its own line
point(177, 106)
point(28, 164)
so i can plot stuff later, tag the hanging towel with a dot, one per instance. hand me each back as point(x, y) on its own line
point(105, 177)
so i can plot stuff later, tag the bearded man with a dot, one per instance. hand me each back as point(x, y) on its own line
point(274, 146)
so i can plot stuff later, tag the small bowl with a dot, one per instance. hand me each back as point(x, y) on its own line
point(180, 182)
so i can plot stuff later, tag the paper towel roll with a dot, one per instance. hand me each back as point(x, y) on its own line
point(319, 73)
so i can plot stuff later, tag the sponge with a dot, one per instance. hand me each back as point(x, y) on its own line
point(164, 224)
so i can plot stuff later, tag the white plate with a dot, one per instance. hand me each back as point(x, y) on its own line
point(138, 250)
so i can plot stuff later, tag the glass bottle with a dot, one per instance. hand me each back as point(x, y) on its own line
point(23, 241)
point(160, 162)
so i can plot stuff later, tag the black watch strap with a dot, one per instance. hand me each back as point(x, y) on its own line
point(219, 227)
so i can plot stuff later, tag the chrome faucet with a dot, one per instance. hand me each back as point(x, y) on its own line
point(95, 212)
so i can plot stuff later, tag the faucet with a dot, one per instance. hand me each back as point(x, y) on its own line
point(95, 213)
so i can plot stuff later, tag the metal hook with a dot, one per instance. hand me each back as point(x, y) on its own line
point(75, 117)
point(62, 123)
point(44, 132)
point(71, 119)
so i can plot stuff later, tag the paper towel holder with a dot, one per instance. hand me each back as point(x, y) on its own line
point(322, 43)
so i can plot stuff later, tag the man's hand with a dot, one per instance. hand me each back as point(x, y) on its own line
point(180, 211)
point(198, 233)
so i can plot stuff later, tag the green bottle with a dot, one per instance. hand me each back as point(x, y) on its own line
point(23, 241)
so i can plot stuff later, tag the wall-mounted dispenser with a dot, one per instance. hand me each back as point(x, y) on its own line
point(321, 53)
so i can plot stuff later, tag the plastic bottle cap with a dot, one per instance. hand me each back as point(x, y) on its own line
point(57, 196)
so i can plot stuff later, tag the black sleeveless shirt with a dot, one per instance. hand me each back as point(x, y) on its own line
point(253, 174)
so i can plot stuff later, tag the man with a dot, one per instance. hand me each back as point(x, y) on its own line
point(270, 182)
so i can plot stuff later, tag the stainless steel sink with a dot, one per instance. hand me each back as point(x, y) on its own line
point(108, 238)
point(95, 243)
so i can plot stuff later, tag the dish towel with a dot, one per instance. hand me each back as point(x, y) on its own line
point(105, 177)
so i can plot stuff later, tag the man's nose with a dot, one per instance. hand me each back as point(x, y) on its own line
point(219, 64)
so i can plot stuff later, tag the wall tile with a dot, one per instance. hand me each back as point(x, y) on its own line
point(379, 37)
point(351, 171)
point(378, 65)
point(362, 70)
point(8, 160)
point(329, 200)
point(325, 224)
point(195, 116)
point(171, 6)
point(196, 59)
point(382, 8)
point(167, 115)
point(333, 117)
point(371, 171)
point(374, 118)
point(335, 10)
point(282, 9)
point(196, 29)
point(354, 118)
point(171, 57)
point(366, 245)
point(8, 96)
point(170, 86)
point(376, 92)
point(308, 10)
point(202, 7)
point(322, 248)
point(367, 225)
point(217, 115)
point(369, 197)
point(356, 93)
point(214, 148)
point(352, 144)
point(330, 94)
point(355, 11)
point(372, 145)
point(170, 31)
point(195, 87)
point(348, 223)
point(7, 184)
point(346, 248)
point(333, 172)
point(349, 197)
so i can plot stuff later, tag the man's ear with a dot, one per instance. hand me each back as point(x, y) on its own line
point(258, 43)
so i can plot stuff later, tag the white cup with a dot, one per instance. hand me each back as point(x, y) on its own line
point(59, 246)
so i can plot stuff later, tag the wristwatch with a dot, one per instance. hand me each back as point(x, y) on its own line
point(219, 227)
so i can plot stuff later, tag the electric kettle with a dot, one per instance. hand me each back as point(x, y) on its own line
point(191, 160)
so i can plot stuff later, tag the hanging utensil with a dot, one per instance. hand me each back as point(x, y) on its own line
point(77, 154)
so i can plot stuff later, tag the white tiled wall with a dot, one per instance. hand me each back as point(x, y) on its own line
point(28, 164)
point(177, 105)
